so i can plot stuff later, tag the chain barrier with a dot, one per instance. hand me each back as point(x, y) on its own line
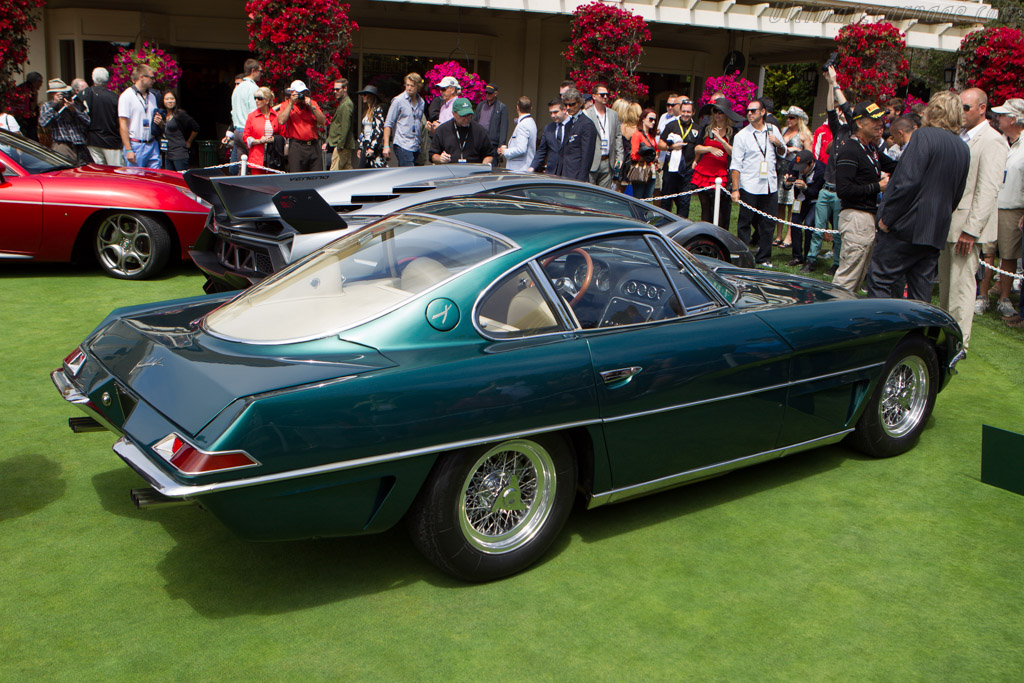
point(743, 203)
point(248, 165)
point(1015, 276)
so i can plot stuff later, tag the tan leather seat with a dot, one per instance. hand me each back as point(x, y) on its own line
point(422, 273)
point(529, 311)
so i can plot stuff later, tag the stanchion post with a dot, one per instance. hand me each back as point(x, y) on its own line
point(718, 200)
point(245, 162)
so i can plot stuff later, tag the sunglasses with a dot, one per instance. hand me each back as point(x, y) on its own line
point(968, 107)
point(601, 94)
point(685, 100)
point(753, 111)
point(651, 119)
point(259, 97)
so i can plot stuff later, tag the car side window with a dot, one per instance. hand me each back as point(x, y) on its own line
point(570, 196)
point(516, 308)
point(612, 282)
point(695, 299)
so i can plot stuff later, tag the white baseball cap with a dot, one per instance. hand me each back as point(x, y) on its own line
point(298, 86)
point(449, 81)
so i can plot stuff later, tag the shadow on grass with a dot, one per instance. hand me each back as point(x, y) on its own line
point(28, 482)
point(31, 269)
point(612, 520)
point(220, 575)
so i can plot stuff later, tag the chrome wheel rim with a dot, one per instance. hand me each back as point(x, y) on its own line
point(904, 397)
point(123, 244)
point(507, 496)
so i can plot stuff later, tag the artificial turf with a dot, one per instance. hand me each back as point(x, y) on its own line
point(822, 566)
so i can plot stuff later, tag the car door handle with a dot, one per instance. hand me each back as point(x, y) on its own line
point(620, 375)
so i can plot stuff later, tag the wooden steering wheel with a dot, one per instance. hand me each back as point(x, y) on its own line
point(586, 280)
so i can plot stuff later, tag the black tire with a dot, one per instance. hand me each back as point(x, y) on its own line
point(131, 246)
point(535, 478)
point(902, 401)
point(705, 246)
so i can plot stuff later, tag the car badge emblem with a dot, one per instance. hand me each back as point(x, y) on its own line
point(105, 398)
point(442, 314)
point(148, 363)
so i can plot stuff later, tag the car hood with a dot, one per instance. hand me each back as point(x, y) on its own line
point(765, 288)
point(190, 377)
point(109, 172)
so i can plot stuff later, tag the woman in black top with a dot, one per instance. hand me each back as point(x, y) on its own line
point(179, 129)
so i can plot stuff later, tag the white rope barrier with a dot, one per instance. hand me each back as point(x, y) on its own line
point(246, 165)
point(743, 203)
point(1015, 276)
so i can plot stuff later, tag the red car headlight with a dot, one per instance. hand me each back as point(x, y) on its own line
point(188, 459)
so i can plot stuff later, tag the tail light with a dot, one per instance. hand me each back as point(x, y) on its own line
point(188, 459)
point(74, 361)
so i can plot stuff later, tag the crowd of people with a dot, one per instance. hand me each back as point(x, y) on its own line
point(907, 196)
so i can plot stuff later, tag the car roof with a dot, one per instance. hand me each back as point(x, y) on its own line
point(535, 226)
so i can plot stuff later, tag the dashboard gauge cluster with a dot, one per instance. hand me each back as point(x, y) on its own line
point(643, 290)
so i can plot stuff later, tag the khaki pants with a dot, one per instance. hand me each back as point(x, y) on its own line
point(341, 159)
point(110, 157)
point(857, 229)
point(957, 285)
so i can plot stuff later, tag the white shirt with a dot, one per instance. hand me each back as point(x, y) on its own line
point(243, 102)
point(139, 111)
point(8, 122)
point(751, 147)
point(1011, 195)
point(665, 119)
point(522, 147)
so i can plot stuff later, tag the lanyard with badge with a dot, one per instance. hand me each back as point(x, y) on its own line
point(763, 171)
point(145, 112)
point(462, 144)
point(604, 132)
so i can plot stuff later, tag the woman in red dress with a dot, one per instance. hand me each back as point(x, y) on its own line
point(260, 128)
point(712, 160)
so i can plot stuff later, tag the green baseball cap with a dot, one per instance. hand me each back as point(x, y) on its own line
point(462, 107)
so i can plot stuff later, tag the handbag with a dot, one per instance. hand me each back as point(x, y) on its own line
point(639, 172)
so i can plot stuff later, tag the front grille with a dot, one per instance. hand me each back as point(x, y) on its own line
point(240, 257)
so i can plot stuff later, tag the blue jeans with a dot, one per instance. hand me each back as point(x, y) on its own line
point(147, 154)
point(643, 190)
point(826, 209)
point(405, 157)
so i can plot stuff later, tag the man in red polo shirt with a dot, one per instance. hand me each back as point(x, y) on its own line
point(301, 117)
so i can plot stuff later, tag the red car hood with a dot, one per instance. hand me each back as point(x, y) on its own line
point(95, 171)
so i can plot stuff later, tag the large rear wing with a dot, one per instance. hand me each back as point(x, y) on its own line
point(248, 198)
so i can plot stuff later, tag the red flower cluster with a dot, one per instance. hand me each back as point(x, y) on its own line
point(307, 41)
point(471, 84)
point(993, 59)
point(166, 71)
point(605, 46)
point(739, 91)
point(17, 18)
point(871, 62)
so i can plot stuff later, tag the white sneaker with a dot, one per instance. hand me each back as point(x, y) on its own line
point(1005, 308)
point(980, 305)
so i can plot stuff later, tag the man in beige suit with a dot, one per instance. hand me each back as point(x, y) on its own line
point(608, 145)
point(975, 219)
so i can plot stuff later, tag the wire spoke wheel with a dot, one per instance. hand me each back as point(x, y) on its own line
point(507, 496)
point(904, 397)
point(131, 245)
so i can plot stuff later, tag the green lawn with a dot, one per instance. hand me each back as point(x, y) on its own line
point(823, 566)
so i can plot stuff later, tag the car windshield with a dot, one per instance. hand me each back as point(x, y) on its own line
point(32, 156)
point(355, 279)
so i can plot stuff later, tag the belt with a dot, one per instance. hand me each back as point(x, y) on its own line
point(604, 157)
point(302, 142)
point(831, 188)
point(141, 141)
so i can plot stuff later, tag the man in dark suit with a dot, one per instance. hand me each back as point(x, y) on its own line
point(916, 210)
point(577, 153)
point(492, 114)
point(550, 145)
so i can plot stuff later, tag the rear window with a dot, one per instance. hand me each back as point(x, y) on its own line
point(355, 279)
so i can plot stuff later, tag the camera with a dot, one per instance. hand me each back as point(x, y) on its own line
point(832, 60)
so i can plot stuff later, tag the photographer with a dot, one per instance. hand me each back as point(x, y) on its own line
point(67, 123)
point(300, 117)
point(805, 178)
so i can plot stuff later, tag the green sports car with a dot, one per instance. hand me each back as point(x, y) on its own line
point(474, 366)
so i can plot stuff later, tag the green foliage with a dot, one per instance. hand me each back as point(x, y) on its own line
point(787, 85)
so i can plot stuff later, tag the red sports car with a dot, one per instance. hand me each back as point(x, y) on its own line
point(133, 220)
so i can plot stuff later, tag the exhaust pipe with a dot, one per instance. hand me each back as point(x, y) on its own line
point(151, 498)
point(80, 425)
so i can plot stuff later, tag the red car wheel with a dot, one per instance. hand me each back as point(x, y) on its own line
point(132, 246)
